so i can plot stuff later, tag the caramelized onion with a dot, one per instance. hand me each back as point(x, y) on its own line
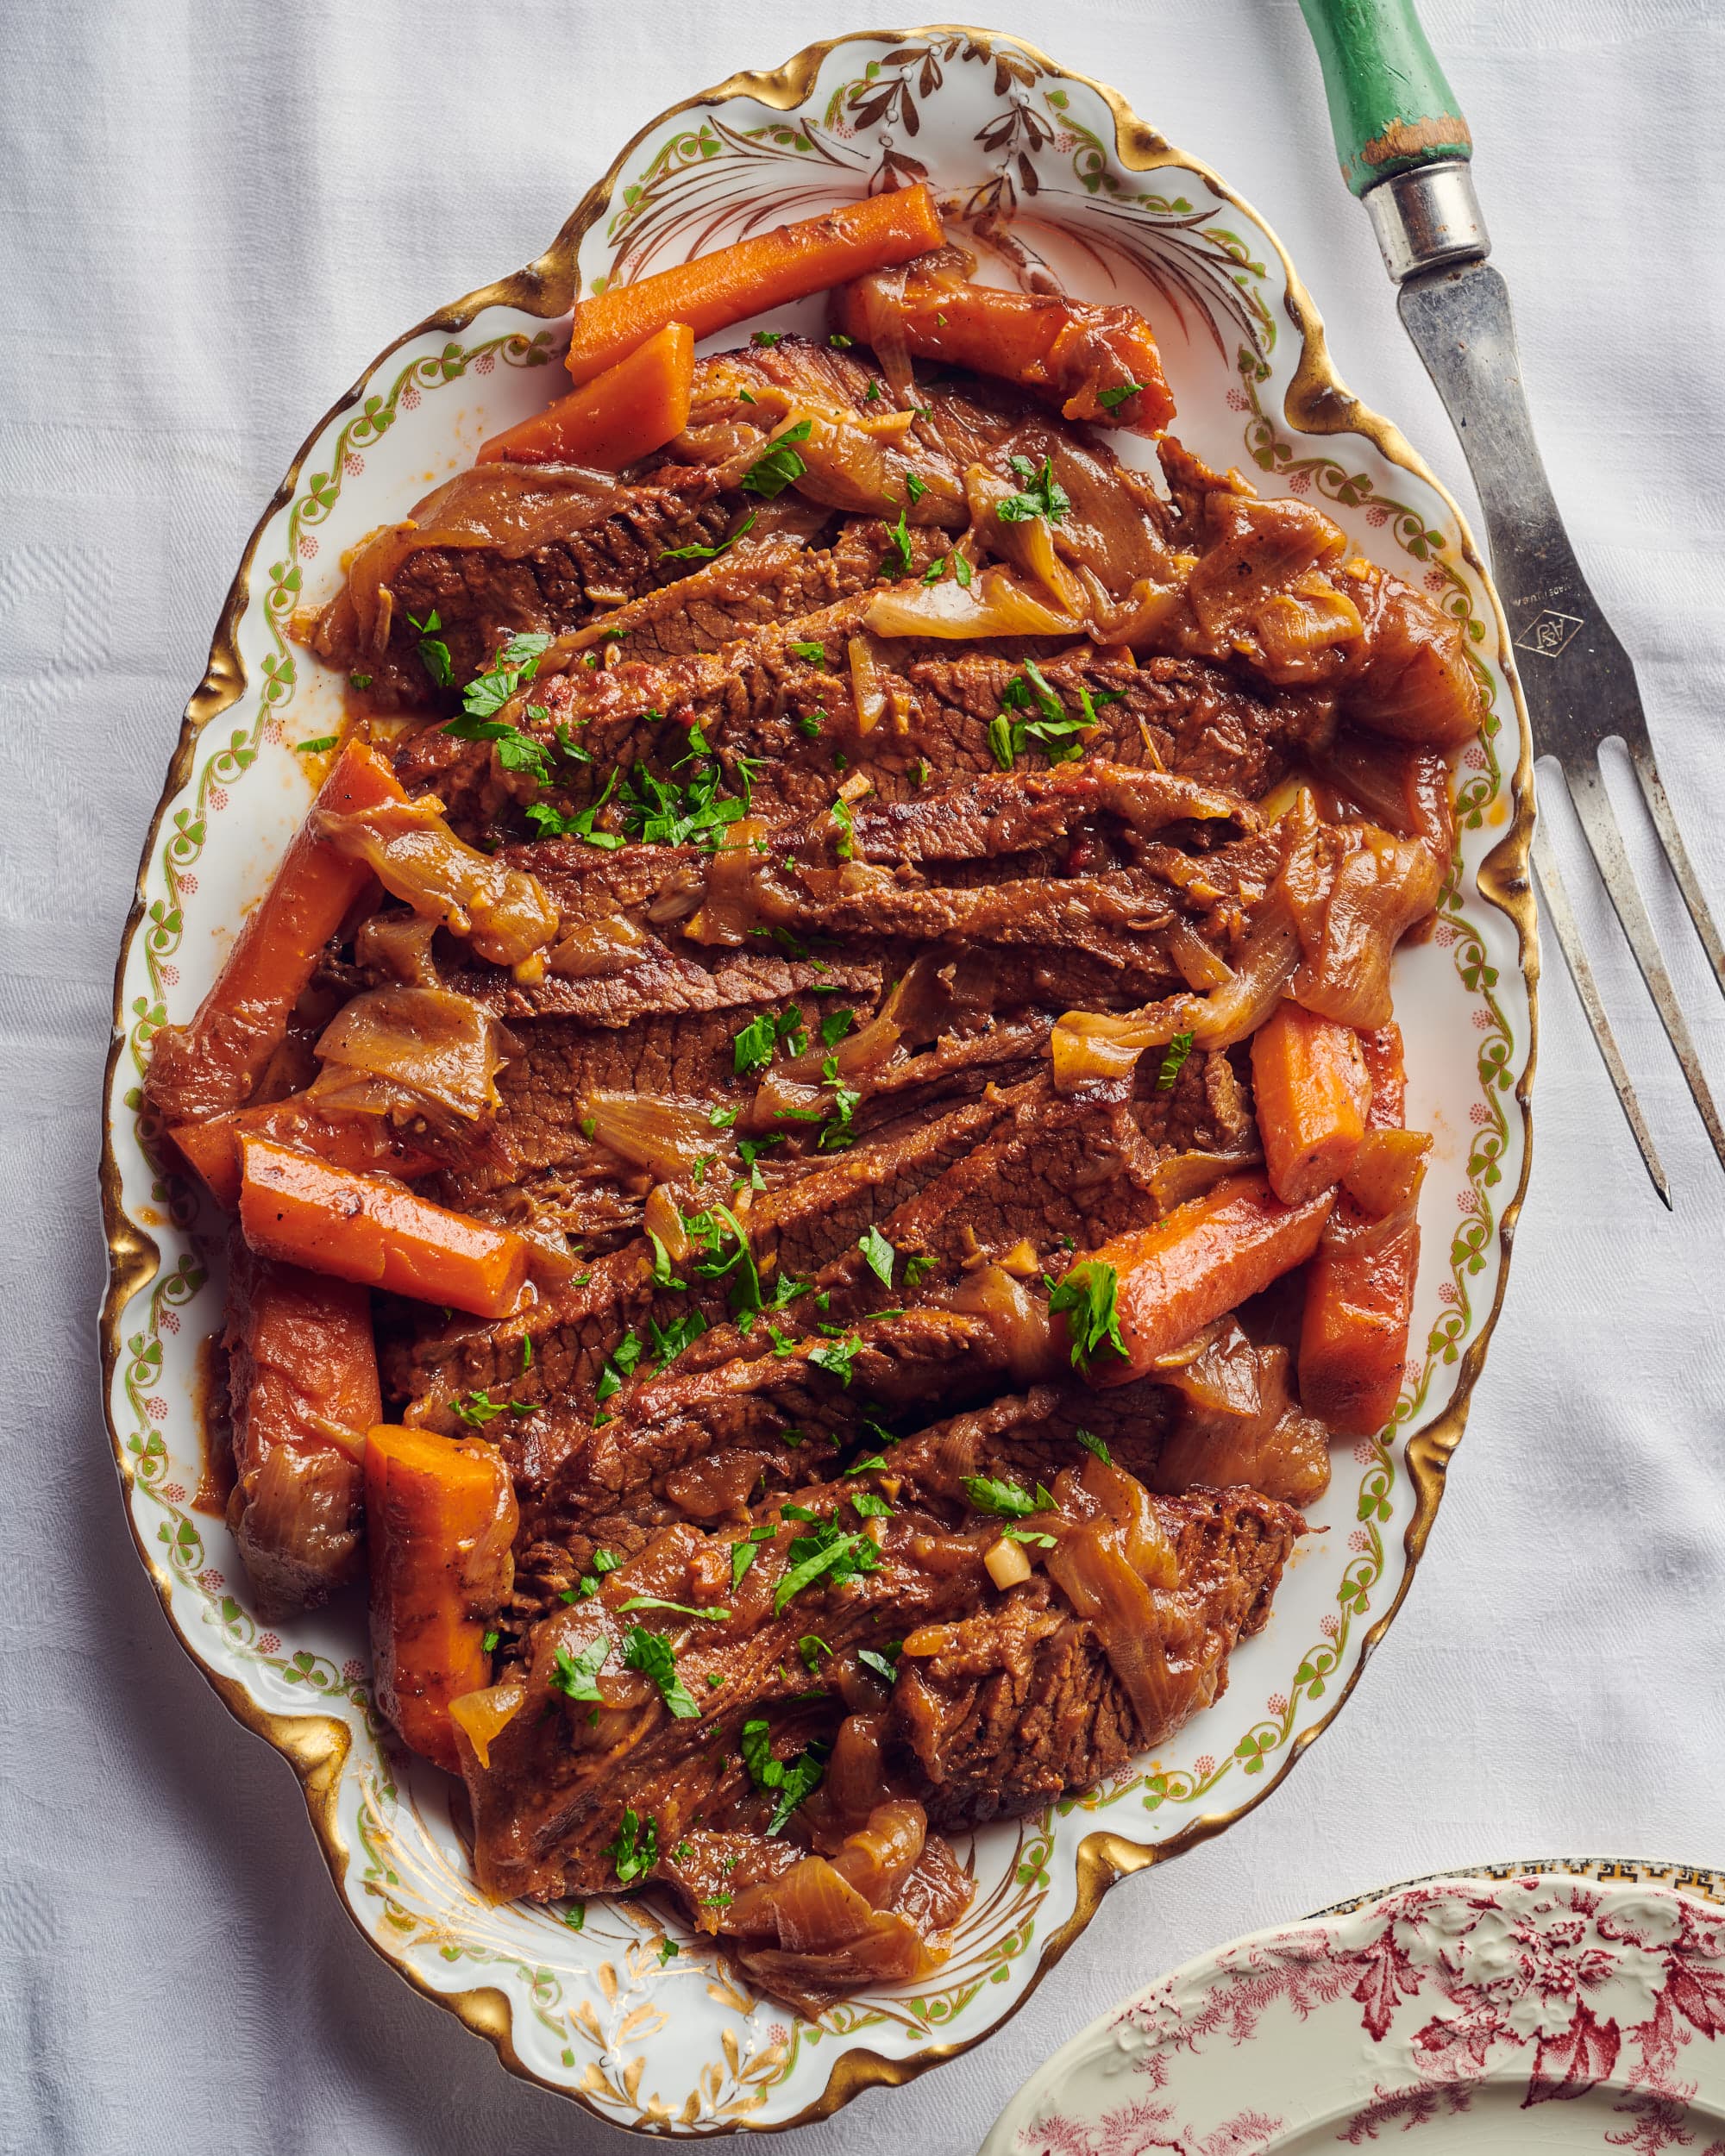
point(728, 909)
point(866, 692)
point(503, 913)
point(665, 1136)
point(881, 1856)
point(588, 949)
point(1238, 1424)
point(659, 1216)
point(1018, 1320)
point(1184, 1176)
point(407, 1052)
point(1109, 1548)
point(994, 603)
point(400, 943)
point(483, 1713)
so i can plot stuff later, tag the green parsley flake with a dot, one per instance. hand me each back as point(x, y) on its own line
point(576, 1675)
point(318, 747)
point(772, 473)
point(1006, 1501)
point(1178, 1050)
point(646, 1651)
point(813, 652)
point(1088, 1296)
point(1112, 399)
point(706, 553)
point(1041, 495)
point(635, 1850)
point(1092, 1443)
point(880, 1255)
point(792, 1780)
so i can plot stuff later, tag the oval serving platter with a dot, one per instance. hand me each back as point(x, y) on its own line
point(1465, 2004)
point(592, 2003)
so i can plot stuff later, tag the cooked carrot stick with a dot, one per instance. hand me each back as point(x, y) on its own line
point(302, 1377)
point(369, 1228)
point(790, 262)
point(633, 407)
point(1359, 1291)
point(1095, 363)
point(212, 1149)
point(212, 1064)
point(1197, 1262)
point(1312, 1090)
point(441, 1519)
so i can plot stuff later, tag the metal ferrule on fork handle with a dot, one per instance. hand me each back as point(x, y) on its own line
point(1427, 218)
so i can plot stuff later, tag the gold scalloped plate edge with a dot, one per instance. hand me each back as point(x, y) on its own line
point(1318, 402)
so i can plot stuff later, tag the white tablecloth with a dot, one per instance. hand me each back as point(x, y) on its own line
point(213, 216)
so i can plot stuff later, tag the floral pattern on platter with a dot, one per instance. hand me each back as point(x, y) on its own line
point(1444, 2000)
point(641, 2022)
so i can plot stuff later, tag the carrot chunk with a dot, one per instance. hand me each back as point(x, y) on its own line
point(1312, 1090)
point(633, 407)
point(212, 1149)
point(212, 1064)
point(791, 262)
point(366, 1227)
point(440, 1520)
point(1359, 1291)
point(1197, 1262)
point(1095, 363)
point(302, 1367)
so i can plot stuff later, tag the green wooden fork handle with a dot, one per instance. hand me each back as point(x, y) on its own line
point(1390, 107)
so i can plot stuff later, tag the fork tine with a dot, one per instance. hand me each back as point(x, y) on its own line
point(1575, 954)
point(1592, 804)
point(1659, 808)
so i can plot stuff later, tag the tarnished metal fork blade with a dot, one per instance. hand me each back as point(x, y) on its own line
point(1575, 955)
point(1593, 806)
point(1665, 822)
point(1579, 680)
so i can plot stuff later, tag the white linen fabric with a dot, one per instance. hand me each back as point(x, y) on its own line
point(213, 216)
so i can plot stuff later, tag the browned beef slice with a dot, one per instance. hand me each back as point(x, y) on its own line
point(608, 547)
point(994, 1722)
point(794, 1229)
point(1020, 1708)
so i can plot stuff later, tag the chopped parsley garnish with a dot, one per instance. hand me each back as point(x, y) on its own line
point(914, 487)
point(831, 1553)
point(706, 553)
point(916, 1265)
point(575, 1915)
point(1007, 1500)
point(808, 723)
point(839, 342)
point(811, 1647)
point(714, 1614)
point(576, 1675)
point(835, 1025)
point(606, 1560)
point(792, 1780)
point(1092, 1443)
point(1041, 495)
point(317, 747)
point(433, 651)
point(618, 1365)
point(1027, 1535)
point(743, 1554)
point(508, 671)
point(880, 1255)
point(668, 1950)
point(663, 812)
point(635, 1850)
point(359, 681)
point(1087, 1295)
point(668, 1342)
point(1178, 1050)
point(647, 1652)
point(846, 848)
point(772, 473)
point(868, 1505)
point(488, 1645)
point(1112, 399)
point(813, 652)
point(752, 1046)
point(1053, 730)
point(879, 1663)
point(836, 1357)
point(549, 822)
point(749, 1151)
point(663, 1276)
point(899, 540)
point(767, 338)
point(479, 1408)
